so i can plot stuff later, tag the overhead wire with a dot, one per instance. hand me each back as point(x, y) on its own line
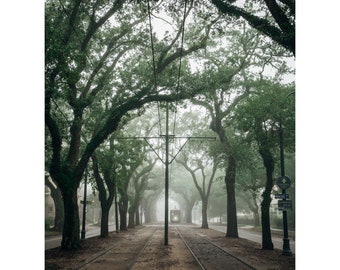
point(180, 64)
point(154, 67)
point(179, 70)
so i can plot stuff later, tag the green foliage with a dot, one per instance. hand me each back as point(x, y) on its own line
point(258, 117)
point(99, 77)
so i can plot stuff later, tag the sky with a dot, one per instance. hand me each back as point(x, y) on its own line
point(22, 133)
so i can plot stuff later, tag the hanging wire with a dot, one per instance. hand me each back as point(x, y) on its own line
point(154, 67)
point(180, 64)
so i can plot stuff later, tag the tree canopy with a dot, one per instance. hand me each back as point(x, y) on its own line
point(107, 64)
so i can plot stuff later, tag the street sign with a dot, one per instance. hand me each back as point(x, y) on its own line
point(285, 204)
point(283, 182)
point(281, 196)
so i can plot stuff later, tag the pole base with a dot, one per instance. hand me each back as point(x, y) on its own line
point(82, 237)
point(286, 247)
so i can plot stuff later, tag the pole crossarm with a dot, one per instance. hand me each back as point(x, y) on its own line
point(167, 137)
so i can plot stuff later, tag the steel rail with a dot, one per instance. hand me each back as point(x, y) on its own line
point(100, 254)
point(133, 262)
point(190, 250)
point(217, 246)
point(238, 259)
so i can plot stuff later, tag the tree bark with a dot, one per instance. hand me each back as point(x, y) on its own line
point(283, 35)
point(138, 221)
point(59, 210)
point(131, 217)
point(150, 212)
point(255, 210)
point(71, 229)
point(123, 209)
point(58, 206)
point(256, 219)
point(104, 222)
point(105, 201)
point(230, 177)
point(188, 214)
point(231, 201)
point(268, 162)
point(204, 214)
point(188, 211)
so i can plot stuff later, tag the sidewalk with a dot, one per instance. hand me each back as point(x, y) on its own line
point(248, 233)
point(53, 241)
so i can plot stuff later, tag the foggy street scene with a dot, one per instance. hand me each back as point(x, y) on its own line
point(169, 134)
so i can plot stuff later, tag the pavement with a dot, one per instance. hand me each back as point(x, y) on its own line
point(90, 231)
point(247, 233)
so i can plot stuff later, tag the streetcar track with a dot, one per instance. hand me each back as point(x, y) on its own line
point(133, 262)
point(200, 258)
point(199, 261)
point(240, 260)
point(190, 250)
point(103, 253)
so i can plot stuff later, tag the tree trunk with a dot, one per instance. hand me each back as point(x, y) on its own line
point(150, 209)
point(204, 214)
point(59, 210)
point(104, 223)
point(256, 219)
point(123, 208)
point(71, 229)
point(254, 208)
point(256, 214)
point(58, 205)
point(104, 198)
point(131, 218)
point(147, 212)
point(188, 214)
point(268, 162)
point(137, 216)
point(229, 179)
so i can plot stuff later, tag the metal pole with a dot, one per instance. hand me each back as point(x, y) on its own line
point(116, 209)
point(166, 176)
point(286, 246)
point(84, 208)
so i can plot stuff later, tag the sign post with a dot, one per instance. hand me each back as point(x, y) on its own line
point(284, 182)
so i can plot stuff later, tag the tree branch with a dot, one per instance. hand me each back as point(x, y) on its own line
point(279, 16)
point(94, 26)
point(285, 39)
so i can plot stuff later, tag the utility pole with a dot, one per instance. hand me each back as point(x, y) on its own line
point(166, 225)
point(166, 162)
point(116, 208)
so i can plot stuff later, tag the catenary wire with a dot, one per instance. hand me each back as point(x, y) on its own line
point(180, 64)
point(154, 66)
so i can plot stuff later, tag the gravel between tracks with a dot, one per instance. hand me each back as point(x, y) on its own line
point(157, 256)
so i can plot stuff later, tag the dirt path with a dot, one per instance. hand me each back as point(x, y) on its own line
point(143, 248)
